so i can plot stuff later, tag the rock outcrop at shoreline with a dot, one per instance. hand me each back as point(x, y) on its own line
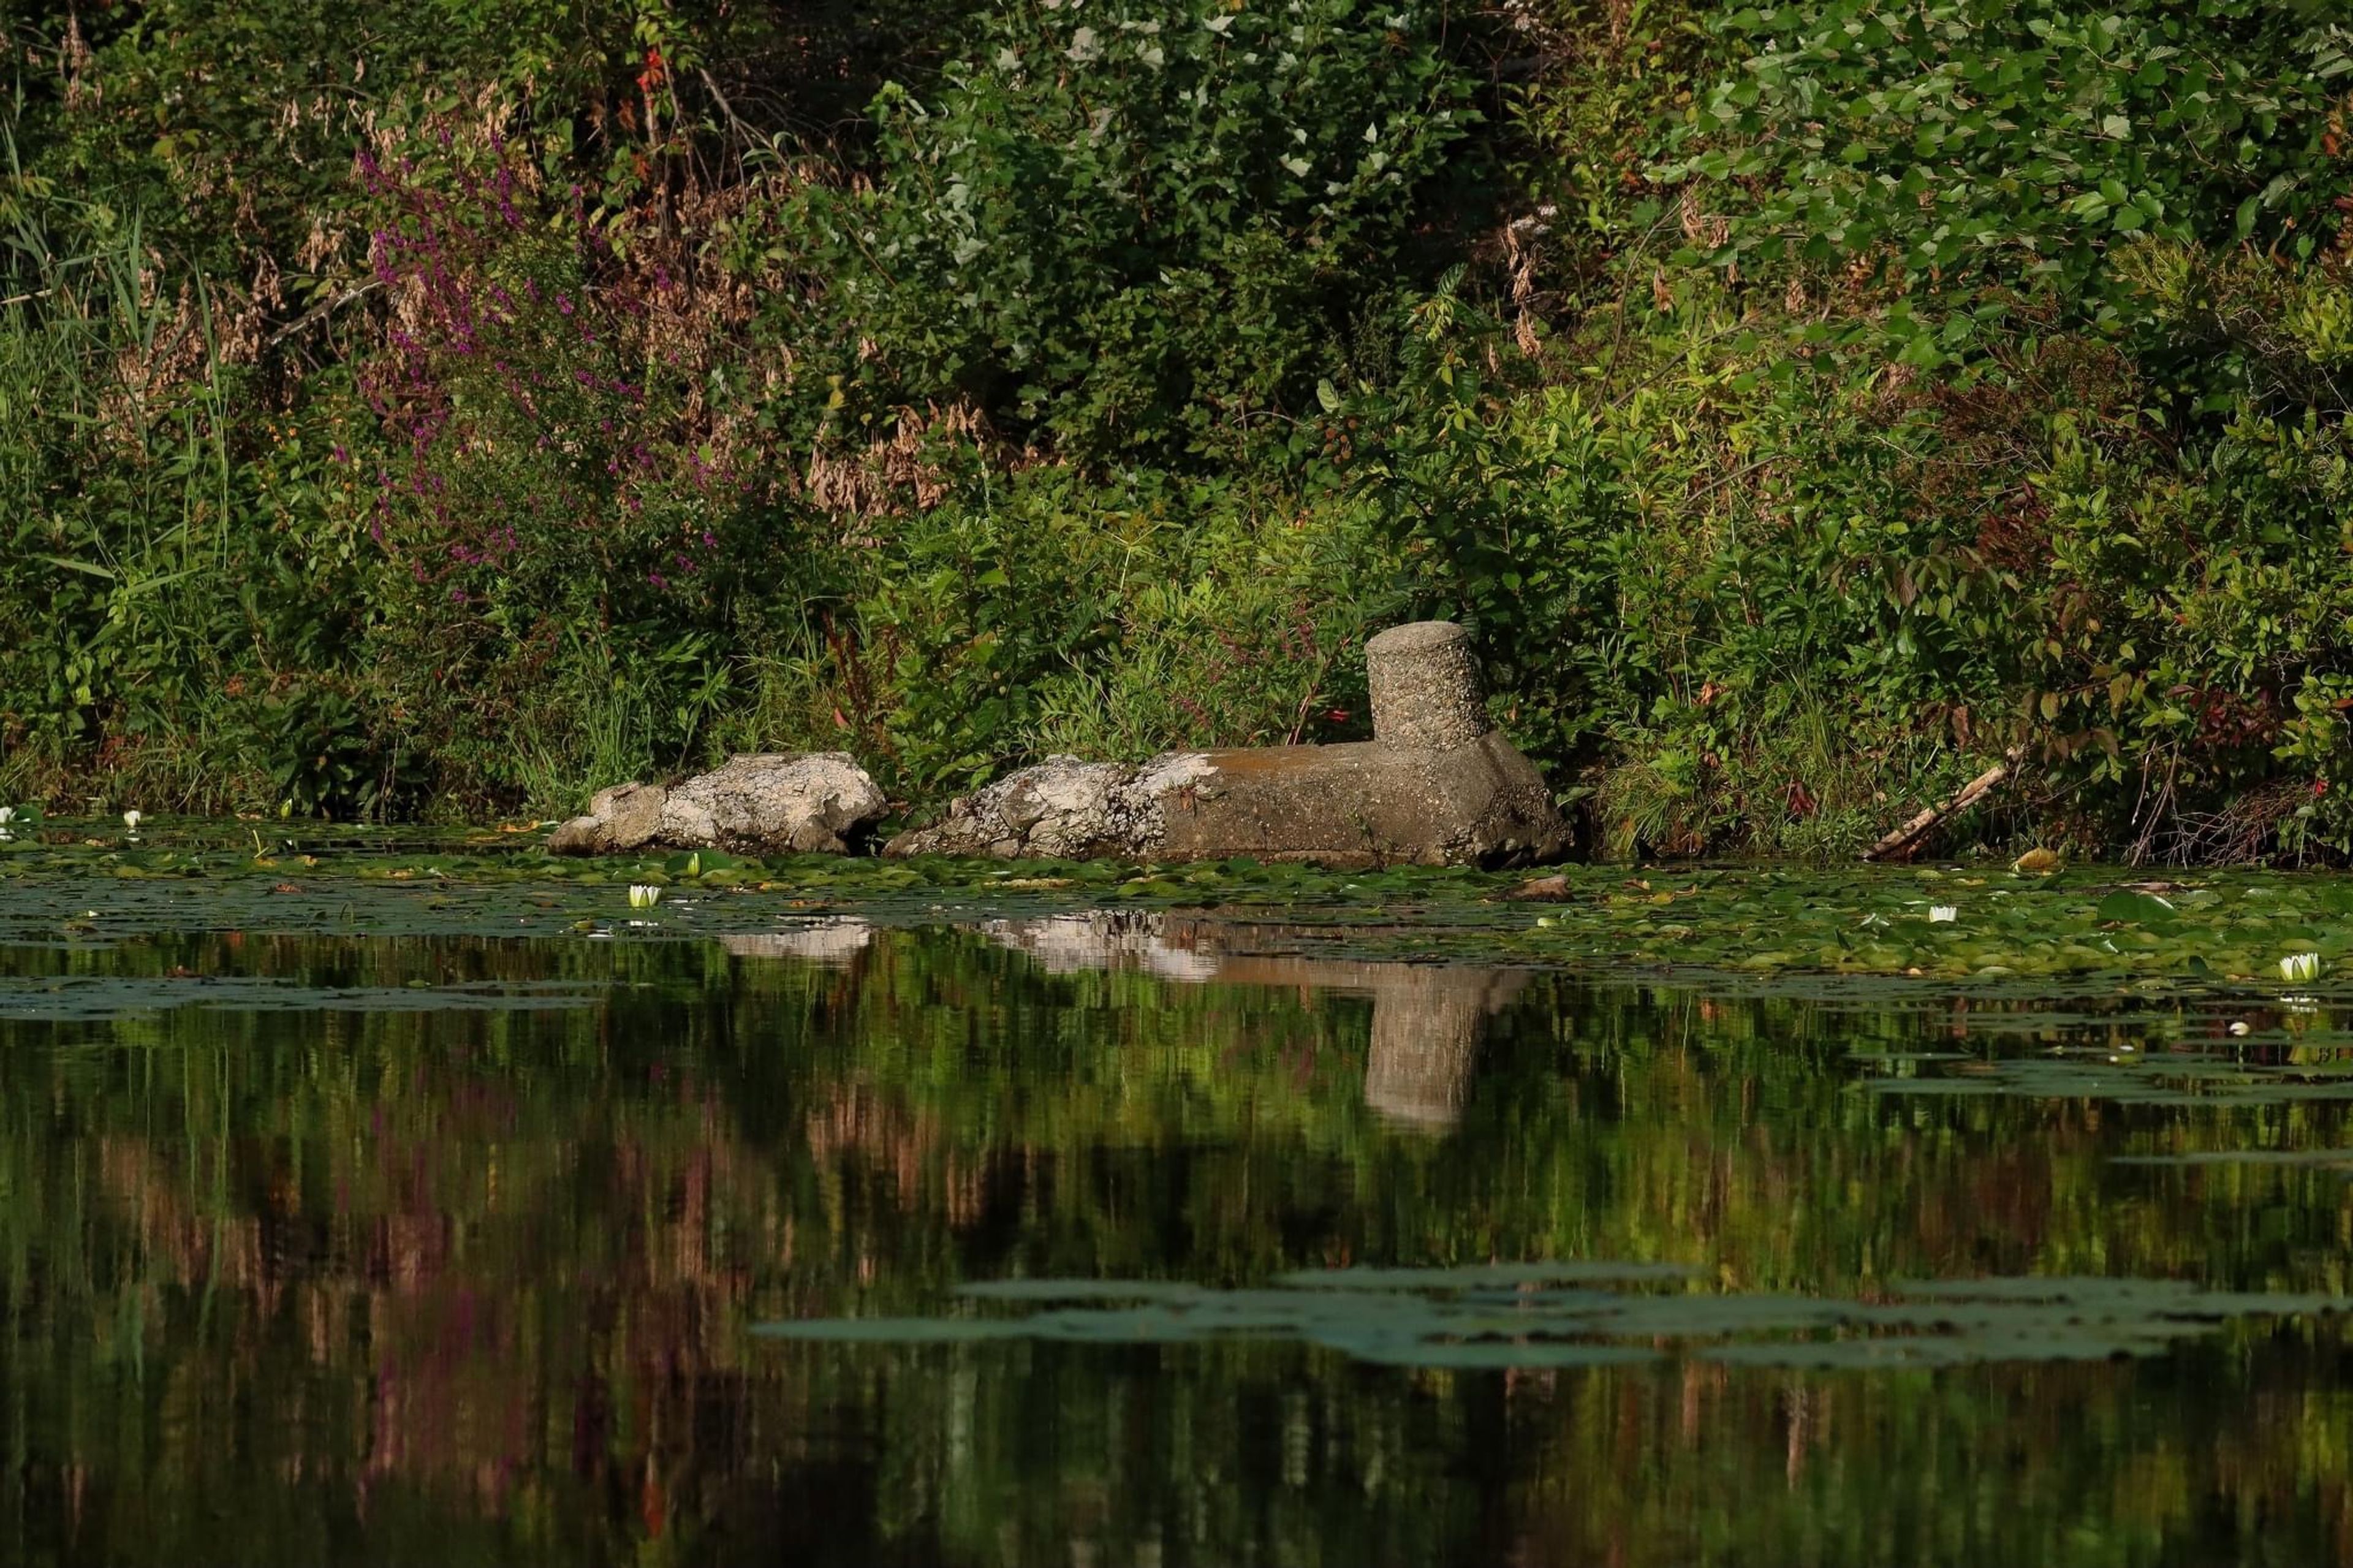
point(775, 803)
point(1063, 809)
point(1437, 785)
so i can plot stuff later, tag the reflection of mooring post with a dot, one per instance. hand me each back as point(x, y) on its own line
point(1426, 1027)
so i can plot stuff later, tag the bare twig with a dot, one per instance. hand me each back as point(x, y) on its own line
point(727, 109)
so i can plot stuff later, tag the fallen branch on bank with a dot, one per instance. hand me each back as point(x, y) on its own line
point(1904, 842)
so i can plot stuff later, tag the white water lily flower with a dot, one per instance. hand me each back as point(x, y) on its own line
point(644, 895)
point(131, 820)
point(7, 815)
point(2300, 966)
point(1943, 914)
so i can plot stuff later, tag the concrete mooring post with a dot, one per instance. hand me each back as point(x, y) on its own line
point(1437, 785)
point(1425, 686)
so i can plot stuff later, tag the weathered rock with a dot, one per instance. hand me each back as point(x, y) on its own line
point(622, 818)
point(631, 813)
point(1437, 787)
point(1424, 682)
point(767, 804)
point(580, 835)
point(1060, 809)
point(1367, 803)
point(774, 803)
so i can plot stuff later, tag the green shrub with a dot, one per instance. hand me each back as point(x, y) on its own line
point(1971, 154)
point(1137, 229)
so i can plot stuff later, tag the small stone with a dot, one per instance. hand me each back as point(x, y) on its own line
point(1541, 890)
point(581, 836)
point(631, 813)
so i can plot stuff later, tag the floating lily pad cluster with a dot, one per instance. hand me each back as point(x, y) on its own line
point(1597, 1313)
point(1988, 924)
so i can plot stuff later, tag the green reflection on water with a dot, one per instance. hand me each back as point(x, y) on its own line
point(321, 1247)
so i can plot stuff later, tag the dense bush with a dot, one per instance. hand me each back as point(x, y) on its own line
point(1137, 227)
point(1806, 405)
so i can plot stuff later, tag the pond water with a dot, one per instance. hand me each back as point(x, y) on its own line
point(791, 1244)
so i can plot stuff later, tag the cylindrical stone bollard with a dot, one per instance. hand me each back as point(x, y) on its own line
point(1425, 686)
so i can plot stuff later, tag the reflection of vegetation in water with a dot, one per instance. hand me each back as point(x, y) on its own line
point(1523, 1317)
point(492, 1269)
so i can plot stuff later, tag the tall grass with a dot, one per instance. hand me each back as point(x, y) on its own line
point(117, 510)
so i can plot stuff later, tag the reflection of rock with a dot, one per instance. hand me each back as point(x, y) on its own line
point(1437, 787)
point(833, 943)
point(768, 804)
point(1428, 1018)
point(1101, 939)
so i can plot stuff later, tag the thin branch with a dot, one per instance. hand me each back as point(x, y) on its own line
point(1902, 843)
point(317, 312)
point(727, 109)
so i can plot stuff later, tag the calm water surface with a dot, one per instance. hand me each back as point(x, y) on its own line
point(452, 1249)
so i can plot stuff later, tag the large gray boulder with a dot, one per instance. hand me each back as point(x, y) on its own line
point(1437, 786)
point(773, 802)
point(1061, 809)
